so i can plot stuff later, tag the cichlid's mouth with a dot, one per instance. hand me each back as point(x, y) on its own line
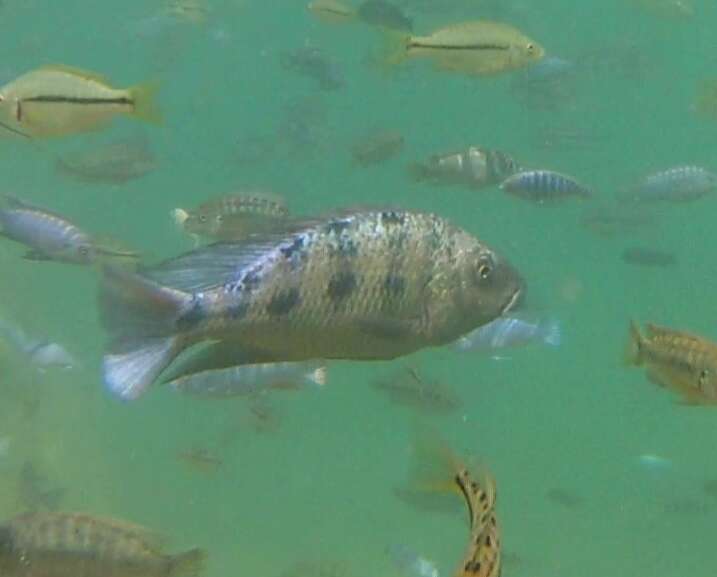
point(515, 299)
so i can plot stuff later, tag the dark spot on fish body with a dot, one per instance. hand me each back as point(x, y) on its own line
point(295, 246)
point(337, 226)
point(192, 317)
point(283, 302)
point(341, 286)
point(391, 217)
point(238, 311)
point(394, 285)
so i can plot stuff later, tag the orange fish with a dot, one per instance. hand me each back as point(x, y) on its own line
point(680, 361)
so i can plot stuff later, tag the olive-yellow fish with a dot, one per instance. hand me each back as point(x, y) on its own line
point(362, 284)
point(476, 47)
point(680, 361)
point(54, 544)
point(60, 100)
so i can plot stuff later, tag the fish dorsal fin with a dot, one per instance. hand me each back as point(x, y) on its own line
point(17, 203)
point(212, 266)
point(74, 71)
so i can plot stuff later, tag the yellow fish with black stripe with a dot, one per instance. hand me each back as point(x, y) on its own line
point(59, 100)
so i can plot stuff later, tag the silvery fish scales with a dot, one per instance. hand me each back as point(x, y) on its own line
point(366, 284)
point(47, 235)
point(678, 184)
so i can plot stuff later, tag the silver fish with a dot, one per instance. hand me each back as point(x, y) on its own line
point(678, 184)
point(313, 63)
point(475, 167)
point(250, 379)
point(50, 236)
point(511, 331)
point(362, 284)
point(543, 186)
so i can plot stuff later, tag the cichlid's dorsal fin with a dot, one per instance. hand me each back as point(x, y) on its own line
point(75, 71)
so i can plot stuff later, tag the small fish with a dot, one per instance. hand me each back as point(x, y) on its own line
point(679, 184)
point(115, 163)
point(565, 498)
point(250, 379)
point(616, 221)
point(59, 100)
point(668, 8)
point(706, 99)
point(680, 361)
point(383, 14)
point(50, 236)
point(314, 63)
point(410, 563)
point(654, 462)
point(331, 11)
point(642, 256)
point(201, 460)
point(475, 167)
point(48, 544)
point(439, 470)
point(511, 331)
point(35, 490)
point(41, 353)
point(377, 148)
point(407, 387)
point(543, 186)
point(478, 47)
point(234, 216)
point(359, 284)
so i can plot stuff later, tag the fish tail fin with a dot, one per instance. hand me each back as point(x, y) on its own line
point(435, 465)
point(188, 564)
point(552, 333)
point(145, 106)
point(395, 48)
point(418, 172)
point(633, 350)
point(141, 317)
point(318, 376)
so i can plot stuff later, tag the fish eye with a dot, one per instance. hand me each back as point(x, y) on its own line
point(485, 267)
point(202, 218)
point(704, 375)
point(84, 251)
point(530, 47)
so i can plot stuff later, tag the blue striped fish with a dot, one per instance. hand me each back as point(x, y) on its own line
point(543, 186)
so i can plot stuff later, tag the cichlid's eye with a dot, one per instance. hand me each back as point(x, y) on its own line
point(83, 250)
point(202, 218)
point(485, 267)
point(531, 48)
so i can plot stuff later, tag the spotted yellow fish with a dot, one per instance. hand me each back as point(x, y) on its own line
point(680, 361)
point(60, 100)
point(440, 470)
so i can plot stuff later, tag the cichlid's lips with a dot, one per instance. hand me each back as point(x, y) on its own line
point(515, 299)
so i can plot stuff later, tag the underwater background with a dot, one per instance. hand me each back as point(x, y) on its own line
point(598, 470)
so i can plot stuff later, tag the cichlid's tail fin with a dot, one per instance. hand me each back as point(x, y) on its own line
point(633, 350)
point(141, 317)
point(145, 107)
point(188, 564)
point(551, 333)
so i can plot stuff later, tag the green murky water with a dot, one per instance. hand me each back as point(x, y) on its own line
point(310, 476)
